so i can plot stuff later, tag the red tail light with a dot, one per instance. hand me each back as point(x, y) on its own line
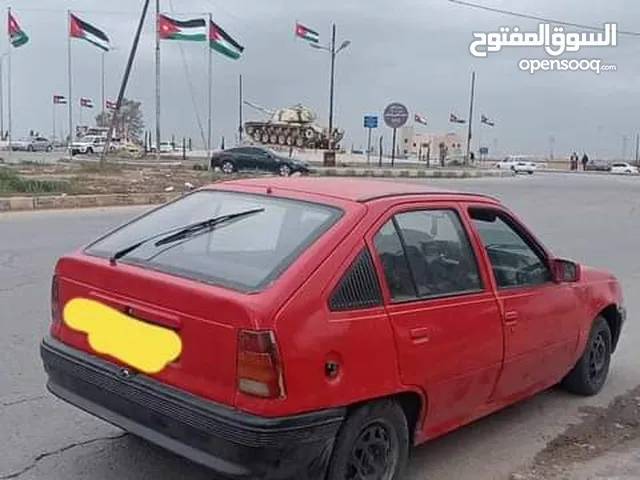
point(259, 370)
point(56, 308)
point(55, 300)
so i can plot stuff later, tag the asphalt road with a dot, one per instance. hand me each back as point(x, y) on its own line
point(593, 219)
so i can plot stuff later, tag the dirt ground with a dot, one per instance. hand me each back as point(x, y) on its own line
point(88, 178)
point(600, 432)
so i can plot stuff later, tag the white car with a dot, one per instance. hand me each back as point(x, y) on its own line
point(508, 164)
point(624, 168)
point(525, 167)
point(88, 144)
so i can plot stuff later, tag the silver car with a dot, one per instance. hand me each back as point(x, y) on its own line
point(33, 144)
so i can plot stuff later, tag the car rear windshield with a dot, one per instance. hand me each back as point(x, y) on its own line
point(245, 254)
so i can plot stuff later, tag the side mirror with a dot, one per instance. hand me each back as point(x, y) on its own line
point(565, 271)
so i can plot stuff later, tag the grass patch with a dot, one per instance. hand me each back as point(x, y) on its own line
point(10, 182)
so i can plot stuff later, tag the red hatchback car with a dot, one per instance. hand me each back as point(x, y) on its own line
point(317, 328)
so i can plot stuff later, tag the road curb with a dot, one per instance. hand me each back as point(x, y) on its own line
point(408, 173)
point(54, 202)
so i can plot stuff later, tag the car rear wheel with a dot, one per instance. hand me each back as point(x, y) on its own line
point(285, 170)
point(227, 167)
point(590, 373)
point(373, 444)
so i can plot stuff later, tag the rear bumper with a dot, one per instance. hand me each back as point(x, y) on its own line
point(231, 443)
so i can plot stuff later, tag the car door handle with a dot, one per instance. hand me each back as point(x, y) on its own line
point(419, 335)
point(511, 318)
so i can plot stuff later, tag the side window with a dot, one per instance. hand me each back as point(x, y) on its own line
point(394, 262)
point(428, 255)
point(516, 262)
point(439, 253)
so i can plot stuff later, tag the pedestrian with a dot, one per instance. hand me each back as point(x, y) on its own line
point(574, 161)
point(585, 160)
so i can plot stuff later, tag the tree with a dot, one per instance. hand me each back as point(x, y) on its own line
point(130, 121)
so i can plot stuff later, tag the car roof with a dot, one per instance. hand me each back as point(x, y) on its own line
point(349, 188)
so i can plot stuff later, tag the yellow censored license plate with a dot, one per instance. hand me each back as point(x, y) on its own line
point(148, 348)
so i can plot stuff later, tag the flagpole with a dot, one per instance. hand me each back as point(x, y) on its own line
point(1, 98)
point(70, 99)
point(210, 87)
point(102, 86)
point(9, 87)
point(53, 130)
point(240, 111)
point(157, 82)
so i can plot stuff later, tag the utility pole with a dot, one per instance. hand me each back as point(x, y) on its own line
point(552, 141)
point(637, 149)
point(473, 85)
point(625, 139)
point(123, 86)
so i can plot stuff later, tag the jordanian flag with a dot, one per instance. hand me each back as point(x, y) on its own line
point(191, 30)
point(17, 36)
point(222, 42)
point(86, 102)
point(85, 31)
point(307, 34)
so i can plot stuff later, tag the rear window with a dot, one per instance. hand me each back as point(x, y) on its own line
point(245, 254)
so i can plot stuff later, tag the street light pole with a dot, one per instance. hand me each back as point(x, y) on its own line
point(333, 68)
point(333, 51)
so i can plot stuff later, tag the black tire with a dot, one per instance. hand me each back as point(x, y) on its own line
point(589, 374)
point(227, 167)
point(285, 170)
point(89, 151)
point(371, 427)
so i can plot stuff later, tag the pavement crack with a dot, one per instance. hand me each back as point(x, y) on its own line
point(23, 400)
point(45, 455)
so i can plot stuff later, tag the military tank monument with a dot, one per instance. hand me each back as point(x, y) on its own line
point(291, 126)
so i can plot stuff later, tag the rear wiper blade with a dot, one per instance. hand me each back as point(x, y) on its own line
point(183, 232)
point(205, 225)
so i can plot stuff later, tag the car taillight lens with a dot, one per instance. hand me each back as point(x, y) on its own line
point(259, 370)
point(55, 300)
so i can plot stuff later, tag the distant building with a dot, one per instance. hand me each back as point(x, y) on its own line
point(412, 143)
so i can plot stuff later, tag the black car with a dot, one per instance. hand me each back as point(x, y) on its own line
point(256, 158)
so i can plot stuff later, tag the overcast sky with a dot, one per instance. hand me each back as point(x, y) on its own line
point(412, 51)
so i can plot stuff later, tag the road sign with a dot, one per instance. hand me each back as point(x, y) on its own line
point(484, 150)
point(370, 121)
point(396, 115)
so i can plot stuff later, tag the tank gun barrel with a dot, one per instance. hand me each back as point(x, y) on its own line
point(259, 107)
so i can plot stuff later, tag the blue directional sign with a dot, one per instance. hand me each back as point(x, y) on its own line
point(484, 150)
point(370, 121)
